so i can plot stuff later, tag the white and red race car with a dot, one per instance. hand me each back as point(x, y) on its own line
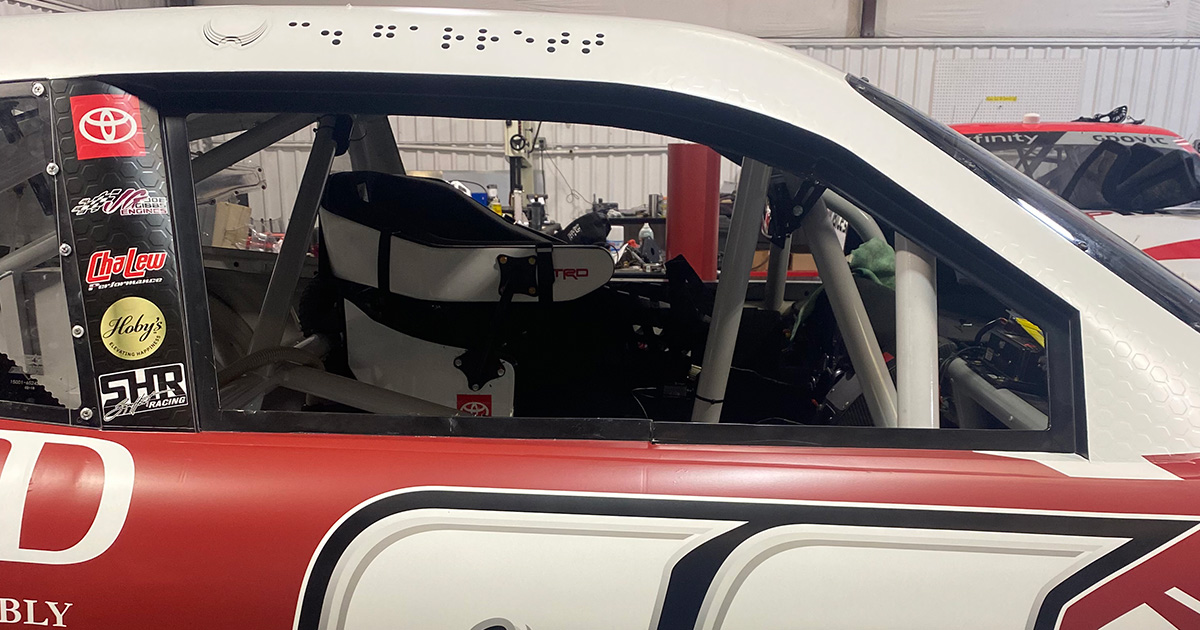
point(412, 415)
point(1139, 181)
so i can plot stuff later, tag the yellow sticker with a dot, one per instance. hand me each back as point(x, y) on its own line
point(1001, 98)
point(133, 328)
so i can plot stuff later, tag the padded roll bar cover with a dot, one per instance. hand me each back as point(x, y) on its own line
point(427, 211)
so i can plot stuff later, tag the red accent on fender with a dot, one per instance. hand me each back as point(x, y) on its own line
point(63, 496)
point(1179, 250)
point(1185, 466)
point(1146, 583)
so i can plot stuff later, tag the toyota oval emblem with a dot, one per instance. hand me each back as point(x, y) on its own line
point(107, 125)
point(475, 408)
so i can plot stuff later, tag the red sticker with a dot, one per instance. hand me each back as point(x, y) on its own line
point(475, 404)
point(107, 125)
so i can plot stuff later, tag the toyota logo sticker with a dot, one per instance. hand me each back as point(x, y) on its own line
point(107, 125)
point(475, 404)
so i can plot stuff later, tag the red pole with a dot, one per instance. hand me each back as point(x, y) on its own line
point(693, 203)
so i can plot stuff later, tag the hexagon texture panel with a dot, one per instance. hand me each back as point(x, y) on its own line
point(1140, 363)
point(1143, 391)
point(120, 231)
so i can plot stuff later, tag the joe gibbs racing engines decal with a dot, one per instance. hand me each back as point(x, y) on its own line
point(115, 206)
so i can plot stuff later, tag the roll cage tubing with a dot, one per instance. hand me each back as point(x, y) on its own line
point(730, 130)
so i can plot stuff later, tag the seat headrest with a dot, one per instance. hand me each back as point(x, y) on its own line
point(423, 210)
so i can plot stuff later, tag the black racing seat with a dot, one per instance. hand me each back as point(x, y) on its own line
point(423, 210)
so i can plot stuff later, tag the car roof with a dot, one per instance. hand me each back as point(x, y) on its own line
point(1100, 127)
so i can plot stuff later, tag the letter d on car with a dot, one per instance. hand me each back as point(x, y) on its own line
point(14, 485)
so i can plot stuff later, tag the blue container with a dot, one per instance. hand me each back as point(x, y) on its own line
point(481, 197)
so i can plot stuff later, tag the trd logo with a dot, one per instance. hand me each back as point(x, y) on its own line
point(142, 389)
point(573, 274)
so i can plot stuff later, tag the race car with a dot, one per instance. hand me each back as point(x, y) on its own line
point(1141, 182)
point(412, 412)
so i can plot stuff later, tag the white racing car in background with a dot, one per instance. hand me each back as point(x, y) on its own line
point(1141, 182)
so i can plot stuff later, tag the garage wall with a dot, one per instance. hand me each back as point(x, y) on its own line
point(1159, 80)
point(12, 8)
point(34, 7)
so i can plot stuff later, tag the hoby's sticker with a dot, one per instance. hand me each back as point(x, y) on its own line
point(107, 125)
point(133, 328)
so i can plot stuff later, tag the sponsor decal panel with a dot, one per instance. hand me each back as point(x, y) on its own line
point(107, 125)
point(133, 328)
point(125, 201)
point(129, 268)
point(142, 389)
point(475, 404)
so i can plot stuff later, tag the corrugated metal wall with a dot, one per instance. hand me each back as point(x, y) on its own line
point(13, 8)
point(1159, 80)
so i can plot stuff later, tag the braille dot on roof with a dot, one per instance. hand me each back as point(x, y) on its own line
point(482, 38)
point(378, 27)
point(445, 37)
point(529, 40)
point(390, 35)
point(549, 49)
point(324, 32)
point(587, 50)
point(448, 29)
point(565, 41)
point(378, 34)
point(587, 42)
point(480, 46)
point(495, 39)
point(445, 45)
point(336, 42)
point(337, 33)
point(566, 34)
point(459, 37)
point(483, 30)
point(305, 25)
point(291, 23)
point(517, 32)
point(413, 27)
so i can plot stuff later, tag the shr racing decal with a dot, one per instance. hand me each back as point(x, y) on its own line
point(142, 389)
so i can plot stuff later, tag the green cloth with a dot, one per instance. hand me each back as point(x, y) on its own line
point(875, 260)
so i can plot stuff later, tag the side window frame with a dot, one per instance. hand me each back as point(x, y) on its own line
point(732, 131)
point(21, 411)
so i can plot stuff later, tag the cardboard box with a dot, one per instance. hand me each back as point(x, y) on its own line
point(231, 225)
